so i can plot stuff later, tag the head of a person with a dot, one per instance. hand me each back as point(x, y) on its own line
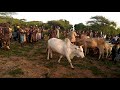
point(116, 43)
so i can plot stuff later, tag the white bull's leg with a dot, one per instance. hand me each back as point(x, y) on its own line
point(68, 58)
point(51, 54)
point(60, 58)
point(48, 54)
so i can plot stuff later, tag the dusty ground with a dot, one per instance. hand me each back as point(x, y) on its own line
point(30, 62)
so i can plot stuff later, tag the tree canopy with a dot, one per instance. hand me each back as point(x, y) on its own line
point(100, 23)
point(63, 24)
point(80, 26)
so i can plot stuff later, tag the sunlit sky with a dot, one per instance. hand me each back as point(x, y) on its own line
point(72, 17)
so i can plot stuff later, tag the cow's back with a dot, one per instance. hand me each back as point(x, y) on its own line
point(95, 42)
point(100, 41)
point(56, 45)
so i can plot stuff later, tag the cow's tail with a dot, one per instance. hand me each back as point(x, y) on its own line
point(67, 42)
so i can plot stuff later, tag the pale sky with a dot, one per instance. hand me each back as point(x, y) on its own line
point(72, 17)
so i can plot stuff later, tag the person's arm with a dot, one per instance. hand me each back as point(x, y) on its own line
point(119, 51)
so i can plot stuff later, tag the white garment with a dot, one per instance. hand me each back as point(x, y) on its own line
point(116, 37)
point(57, 33)
point(104, 36)
point(38, 36)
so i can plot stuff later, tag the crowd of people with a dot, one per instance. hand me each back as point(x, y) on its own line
point(26, 34)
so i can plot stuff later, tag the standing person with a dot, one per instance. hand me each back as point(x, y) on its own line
point(15, 33)
point(49, 33)
point(52, 33)
point(66, 33)
point(101, 34)
point(1, 36)
point(117, 58)
point(33, 36)
point(18, 33)
point(42, 33)
point(91, 34)
point(21, 37)
point(10, 33)
point(27, 34)
point(38, 33)
point(115, 51)
point(6, 36)
point(58, 34)
point(30, 34)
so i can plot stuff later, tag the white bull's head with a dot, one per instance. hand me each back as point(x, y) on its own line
point(79, 52)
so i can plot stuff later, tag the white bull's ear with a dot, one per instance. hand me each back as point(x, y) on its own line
point(77, 48)
point(81, 48)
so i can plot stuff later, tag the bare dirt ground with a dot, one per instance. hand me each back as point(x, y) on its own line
point(30, 62)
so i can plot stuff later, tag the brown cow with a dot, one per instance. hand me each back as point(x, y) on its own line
point(72, 36)
point(92, 43)
point(84, 36)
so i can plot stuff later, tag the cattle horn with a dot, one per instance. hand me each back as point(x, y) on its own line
point(81, 45)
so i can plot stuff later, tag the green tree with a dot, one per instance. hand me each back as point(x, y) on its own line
point(46, 26)
point(100, 23)
point(33, 23)
point(79, 26)
point(8, 16)
point(63, 24)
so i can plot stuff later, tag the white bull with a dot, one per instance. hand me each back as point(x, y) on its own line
point(64, 48)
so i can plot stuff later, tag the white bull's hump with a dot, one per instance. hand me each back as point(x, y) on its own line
point(57, 45)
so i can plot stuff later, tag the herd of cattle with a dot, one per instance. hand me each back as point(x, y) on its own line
point(79, 47)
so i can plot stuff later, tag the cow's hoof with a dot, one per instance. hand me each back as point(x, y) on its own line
point(73, 68)
point(58, 61)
